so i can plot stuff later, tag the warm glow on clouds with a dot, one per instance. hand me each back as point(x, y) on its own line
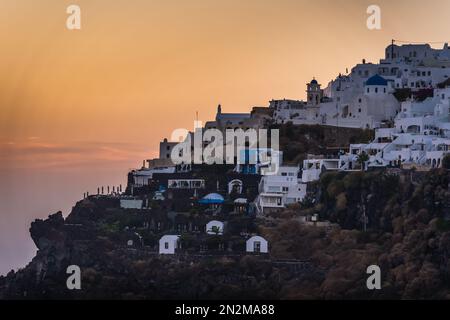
point(37, 155)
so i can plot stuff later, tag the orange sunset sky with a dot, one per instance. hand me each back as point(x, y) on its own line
point(79, 108)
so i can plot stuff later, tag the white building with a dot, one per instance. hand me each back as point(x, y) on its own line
point(279, 190)
point(235, 186)
point(286, 110)
point(313, 168)
point(257, 244)
point(233, 121)
point(364, 97)
point(141, 177)
point(131, 203)
point(165, 149)
point(215, 227)
point(419, 138)
point(186, 184)
point(168, 244)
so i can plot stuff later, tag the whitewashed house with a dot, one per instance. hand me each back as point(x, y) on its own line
point(257, 244)
point(168, 244)
point(279, 190)
point(215, 227)
point(235, 186)
point(363, 98)
point(141, 177)
point(419, 138)
point(313, 168)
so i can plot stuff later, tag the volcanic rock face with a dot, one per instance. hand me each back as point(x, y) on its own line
point(48, 232)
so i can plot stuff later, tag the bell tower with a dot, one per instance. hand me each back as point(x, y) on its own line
point(314, 93)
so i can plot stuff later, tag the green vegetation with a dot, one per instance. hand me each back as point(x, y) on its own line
point(446, 162)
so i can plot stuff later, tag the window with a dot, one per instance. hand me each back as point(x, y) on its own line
point(166, 245)
point(384, 90)
point(359, 110)
point(168, 148)
point(284, 174)
point(359, 100)
point(376, 90)
point(368, 90)
point(285, 189)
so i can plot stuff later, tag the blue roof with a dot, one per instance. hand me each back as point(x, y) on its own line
point(376, 80)
point(212, 198)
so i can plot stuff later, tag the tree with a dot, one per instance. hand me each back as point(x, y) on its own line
point(446, 161)
point(362, 159)
point(215, 230)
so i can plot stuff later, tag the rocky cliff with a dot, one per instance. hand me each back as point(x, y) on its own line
point(408, 236)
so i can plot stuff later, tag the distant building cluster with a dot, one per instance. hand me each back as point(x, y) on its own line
point(368, 97)
point(405, 99)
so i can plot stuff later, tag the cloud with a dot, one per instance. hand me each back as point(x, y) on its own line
point(38, 154)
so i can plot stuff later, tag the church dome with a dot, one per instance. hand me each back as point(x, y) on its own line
point(314, 81)
point(376, 80)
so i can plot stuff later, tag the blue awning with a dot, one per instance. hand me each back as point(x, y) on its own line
point(212, 198)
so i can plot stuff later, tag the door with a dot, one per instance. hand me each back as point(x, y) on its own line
point(257, 246)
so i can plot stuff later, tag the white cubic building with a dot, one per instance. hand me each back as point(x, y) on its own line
point(168, 244)
point(257, 244)
point(215, 227)
point(364, 98)
point(279, 190)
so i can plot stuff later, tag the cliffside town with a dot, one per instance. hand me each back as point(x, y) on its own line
point(361, 177)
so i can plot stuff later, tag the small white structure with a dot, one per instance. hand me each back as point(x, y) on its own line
point(215, 227)
point(142, 176)
point(131, 203)
point(186, 184)
point(279, 190)
point(158, 196)
point(168, 244)
point(235, 186)
point(312, 168)
point(257, 244)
